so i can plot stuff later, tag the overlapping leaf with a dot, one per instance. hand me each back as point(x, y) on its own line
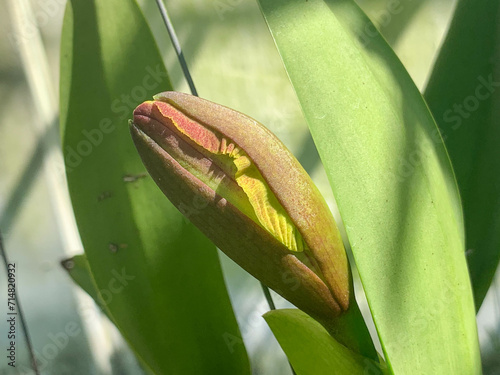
point(311, 350)
point(158, 276)
point(463, 96)
point(392, 180)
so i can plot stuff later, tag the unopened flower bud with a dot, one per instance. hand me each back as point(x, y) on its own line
point(245, 191)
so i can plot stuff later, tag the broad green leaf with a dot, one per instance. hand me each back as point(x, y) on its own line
point(311, 350)
point(392, 180)
point(463, 95)
point(159, 277)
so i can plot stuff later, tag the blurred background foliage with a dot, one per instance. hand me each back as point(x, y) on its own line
point(233, 61)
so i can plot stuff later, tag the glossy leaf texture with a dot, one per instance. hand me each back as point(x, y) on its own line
point(158, 275)
point(311, 350)
point(463, 94)
point(392, 180)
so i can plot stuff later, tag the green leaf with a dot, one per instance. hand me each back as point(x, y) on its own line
point(463, 96)
point(311, 350)
point(159, 277)
point(392, 180)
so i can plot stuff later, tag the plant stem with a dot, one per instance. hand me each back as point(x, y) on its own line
point(20, 312)
point(177, 46)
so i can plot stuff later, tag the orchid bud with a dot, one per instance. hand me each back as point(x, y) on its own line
point(245, 191)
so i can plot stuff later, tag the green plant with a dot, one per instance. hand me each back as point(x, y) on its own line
point(383, 154)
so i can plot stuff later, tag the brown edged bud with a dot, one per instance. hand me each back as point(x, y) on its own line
point(238, 183)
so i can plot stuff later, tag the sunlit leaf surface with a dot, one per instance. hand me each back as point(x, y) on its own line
point(392, 180)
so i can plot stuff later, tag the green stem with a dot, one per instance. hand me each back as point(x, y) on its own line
point(351, 331)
